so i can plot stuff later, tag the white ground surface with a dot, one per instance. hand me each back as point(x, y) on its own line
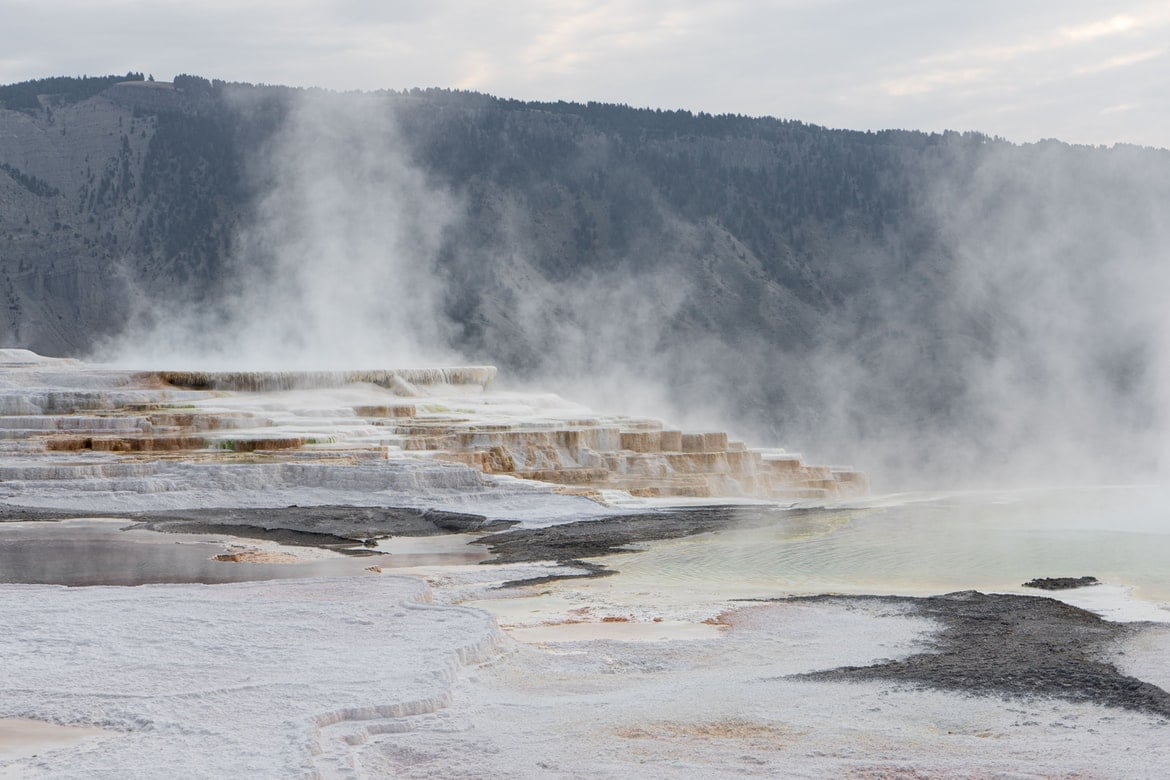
point(362, 677)
point(249, 680)
point(725, 708)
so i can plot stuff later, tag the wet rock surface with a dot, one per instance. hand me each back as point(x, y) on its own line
point(349, 522)
point(316, 526)
point(1006, 645)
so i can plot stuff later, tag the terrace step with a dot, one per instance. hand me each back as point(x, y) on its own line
point(216, 416)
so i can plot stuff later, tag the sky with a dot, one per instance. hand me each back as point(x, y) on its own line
point(1082, 71)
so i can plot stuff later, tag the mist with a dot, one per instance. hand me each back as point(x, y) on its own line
point(333, 267)
point(1024, 345)
point(1011, 332)
point(1029, 345)
point(1010, 328)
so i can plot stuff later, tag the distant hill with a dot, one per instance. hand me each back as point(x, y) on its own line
point(948, 302)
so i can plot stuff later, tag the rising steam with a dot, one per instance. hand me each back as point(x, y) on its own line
point(337, 266)
point(1028, 343)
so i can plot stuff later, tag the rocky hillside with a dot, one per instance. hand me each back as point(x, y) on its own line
point(905, 300)
point(105, 201)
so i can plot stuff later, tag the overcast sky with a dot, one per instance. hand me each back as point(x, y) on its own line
point(1080, 70)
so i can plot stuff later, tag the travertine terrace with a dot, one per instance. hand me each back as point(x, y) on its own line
point(66, 420)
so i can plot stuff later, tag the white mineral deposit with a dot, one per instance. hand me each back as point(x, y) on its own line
point(179, 598)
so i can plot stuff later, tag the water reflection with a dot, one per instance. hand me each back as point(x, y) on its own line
point(78, 553)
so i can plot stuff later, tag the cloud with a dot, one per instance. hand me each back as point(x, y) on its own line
point(1120, 61)
point(1120, 107)
point(584, 34)
point(925, 83)
point(1104, 28)
point(1015, 65)
point(847, 63)
point(1042, 72)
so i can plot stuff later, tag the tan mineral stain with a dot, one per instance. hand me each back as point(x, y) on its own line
point(760, 734)
point(257, 556)
point(24, 737)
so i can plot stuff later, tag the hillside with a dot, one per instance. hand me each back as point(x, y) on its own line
point(951, 303)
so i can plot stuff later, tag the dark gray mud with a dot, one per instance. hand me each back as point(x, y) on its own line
point(1014, 646)
point(1061, 583)
point(1002, 645)
point(335, 527)
point(609, 535)
point(349, 529)
point(568, 543)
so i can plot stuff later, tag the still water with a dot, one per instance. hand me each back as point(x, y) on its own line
point(909, 544)
point(100, 552)
point(920, 544)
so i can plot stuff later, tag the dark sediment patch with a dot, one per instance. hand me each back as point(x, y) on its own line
point(1061, 583)
point(568, 543)
point(285, 536)
point(317, 525)
point(1012, 646)
point(609, 535)
point(591, 570)
point(21, 514)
